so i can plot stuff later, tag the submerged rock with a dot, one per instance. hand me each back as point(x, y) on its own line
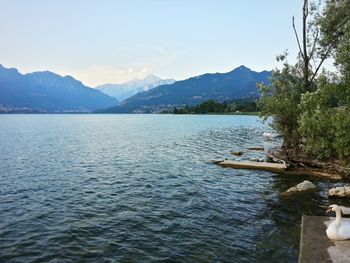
point(237, 153)
point(340, 191)
point(256, 148)
point(304, 186)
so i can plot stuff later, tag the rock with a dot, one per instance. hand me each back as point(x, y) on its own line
point(237, 153)
point(304, 186)
point(341, 191)
point(256, 148)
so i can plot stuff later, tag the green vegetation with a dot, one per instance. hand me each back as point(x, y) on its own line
point(311, 106)
point(213, 107)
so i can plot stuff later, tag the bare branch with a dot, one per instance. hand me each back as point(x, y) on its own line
point(315, 43)
point(305, 44)
point(313, 61)
point(321, 62)
point(305, 8)
point(305, 14)
point(296, 35)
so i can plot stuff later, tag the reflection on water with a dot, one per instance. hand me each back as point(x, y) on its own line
point(140, 188)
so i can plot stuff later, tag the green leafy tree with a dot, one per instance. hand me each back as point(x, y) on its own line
point(311, 110)
point(335, 33)
point(280, 100)
point(212, 106)
point(325, 119)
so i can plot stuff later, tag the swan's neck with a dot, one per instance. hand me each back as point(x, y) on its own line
point(337, 216)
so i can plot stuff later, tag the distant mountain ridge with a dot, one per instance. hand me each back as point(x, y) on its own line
point(49, 92)
point(128, 89)
point(240, 83)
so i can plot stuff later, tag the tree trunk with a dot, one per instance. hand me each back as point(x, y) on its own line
point(305, 53)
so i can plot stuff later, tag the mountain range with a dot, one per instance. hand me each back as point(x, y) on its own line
point(48, 92)
point(238, 84)
point(128, 89)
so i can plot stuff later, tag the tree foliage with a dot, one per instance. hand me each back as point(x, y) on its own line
point(212, 106)
point(335, 29)
point(311, 109)
point(280, 99)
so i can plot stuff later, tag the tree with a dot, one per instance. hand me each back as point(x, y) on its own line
point(325, 119)
point(282, 97)
point(311, 109)
point(312, 49)
point(280, 100)
point(335, 30)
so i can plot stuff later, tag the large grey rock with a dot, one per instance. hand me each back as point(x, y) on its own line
point(340, 191)
point(306, 185)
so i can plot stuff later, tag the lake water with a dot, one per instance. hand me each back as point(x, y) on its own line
point(140, 188)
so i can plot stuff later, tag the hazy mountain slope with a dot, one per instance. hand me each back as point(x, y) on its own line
point(49, 91)
point(130, 88)
point(237, 84)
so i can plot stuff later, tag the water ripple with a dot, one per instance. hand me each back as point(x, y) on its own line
point(139, 188)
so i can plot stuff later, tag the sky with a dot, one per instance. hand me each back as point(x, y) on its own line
point(113, 41)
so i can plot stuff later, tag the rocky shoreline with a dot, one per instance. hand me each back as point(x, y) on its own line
point(298, 164)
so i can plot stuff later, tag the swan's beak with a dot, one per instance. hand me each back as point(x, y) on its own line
point(329, 209)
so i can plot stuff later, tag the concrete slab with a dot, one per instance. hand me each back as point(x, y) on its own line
point(274, 167)
point(315, 246)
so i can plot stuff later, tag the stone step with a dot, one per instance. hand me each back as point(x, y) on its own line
point(315, 246)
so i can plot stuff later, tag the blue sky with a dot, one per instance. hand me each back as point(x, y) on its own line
point(100, 41)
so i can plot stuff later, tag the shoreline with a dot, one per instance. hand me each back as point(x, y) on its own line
point(279, 163)
point(133, 113)
point(298, 165)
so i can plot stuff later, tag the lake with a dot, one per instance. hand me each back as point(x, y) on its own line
point(141, 188)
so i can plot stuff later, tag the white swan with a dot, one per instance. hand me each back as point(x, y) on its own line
point(338, 229)
point(270, 136)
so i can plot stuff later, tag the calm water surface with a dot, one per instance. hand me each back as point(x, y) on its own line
point(139, 188)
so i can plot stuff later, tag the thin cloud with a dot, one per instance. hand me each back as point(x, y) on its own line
point(100, 74)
